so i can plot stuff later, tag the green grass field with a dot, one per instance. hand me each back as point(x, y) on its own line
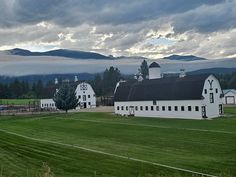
point(102, 144)
point(16, 101)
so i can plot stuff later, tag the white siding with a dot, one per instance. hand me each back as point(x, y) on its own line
point(86, 96)
point(47, 104)
point(167, 113)
point(212, 109)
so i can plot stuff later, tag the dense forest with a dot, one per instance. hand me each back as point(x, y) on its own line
point(103, 84)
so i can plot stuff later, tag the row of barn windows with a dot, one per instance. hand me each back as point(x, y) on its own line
point(163, 108)
point(84, 97)
point(48, 105)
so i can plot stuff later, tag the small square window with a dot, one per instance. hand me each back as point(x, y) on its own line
point(136, 108)
point(205, 91)
point(88, 96)
point(122, 107)
point(141, 108)
point(89, 103)
point(152, 108)
point(189, 108)
point(127, 108)
point(182, 108)
point(118, 108)
point(176, 108)
point(163, 108)
point(154, 102)
point(79, 96)
point(196, 108)
point(169, 108)
point(146, 108)
point(216, 90)
point(157, 108)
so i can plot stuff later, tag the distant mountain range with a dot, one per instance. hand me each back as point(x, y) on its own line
point(59, 53)
point(91, 55)
point(184, 58)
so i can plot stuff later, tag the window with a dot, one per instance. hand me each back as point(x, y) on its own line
point(205, 91)
point(118, 108)
point(182, 108)
point(163, 108)
point(42, 105)
point(89, 103)
point(157, 108)
point(122, 108)
point(169, 108)
point(146, 108)
point(176, 108)
point(152, 108)
point(141, 108)
point(88, 96)
point(211, 98)
point(154, 102)
point(216, 90)
point(136, 108)
point(84, 97)
point(127, 108)
point(220, 109)
point(94, 95)
point(189, 108)
point(196, 108)
point(79, 96)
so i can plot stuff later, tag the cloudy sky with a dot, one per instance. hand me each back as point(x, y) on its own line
point(150, 28)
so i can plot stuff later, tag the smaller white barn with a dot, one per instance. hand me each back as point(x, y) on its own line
point(86, 96)
point(47, 104)
point(84, 93)
point(229, 96)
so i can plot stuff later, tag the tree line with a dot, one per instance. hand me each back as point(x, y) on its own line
point(103, 84)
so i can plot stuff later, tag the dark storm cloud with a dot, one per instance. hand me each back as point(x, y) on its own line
point(75, 12)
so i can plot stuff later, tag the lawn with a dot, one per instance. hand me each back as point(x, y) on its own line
point(16, 101)
point(117, 146)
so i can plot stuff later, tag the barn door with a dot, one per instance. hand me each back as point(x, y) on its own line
point(131, 110)
point(204, 112)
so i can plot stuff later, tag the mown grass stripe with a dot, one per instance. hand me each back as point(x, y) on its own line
point(109, 154)
point(146, 125)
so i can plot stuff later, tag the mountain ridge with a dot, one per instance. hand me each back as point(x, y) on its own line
point(92, 55)
point(59, 53)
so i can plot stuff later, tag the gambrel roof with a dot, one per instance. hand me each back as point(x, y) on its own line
point(173, 88)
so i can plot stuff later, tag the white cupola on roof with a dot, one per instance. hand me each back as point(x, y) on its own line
point(154, 71)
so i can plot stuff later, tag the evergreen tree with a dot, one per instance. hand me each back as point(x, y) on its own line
point(65, 98)
point(144, 69)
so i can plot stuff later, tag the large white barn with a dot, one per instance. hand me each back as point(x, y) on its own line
point(186, 96)
point(85, 94)
point(229, 96)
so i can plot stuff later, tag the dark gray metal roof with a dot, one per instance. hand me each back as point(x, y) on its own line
point(154, 65)
point(172, 88)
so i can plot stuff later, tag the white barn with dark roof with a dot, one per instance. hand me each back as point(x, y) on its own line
point(84, 92)
point(229, 96)
point(186, 96)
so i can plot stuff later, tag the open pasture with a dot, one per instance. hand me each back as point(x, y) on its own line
point(103, 144)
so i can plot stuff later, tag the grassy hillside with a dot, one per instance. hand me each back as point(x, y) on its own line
point(117, 145)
